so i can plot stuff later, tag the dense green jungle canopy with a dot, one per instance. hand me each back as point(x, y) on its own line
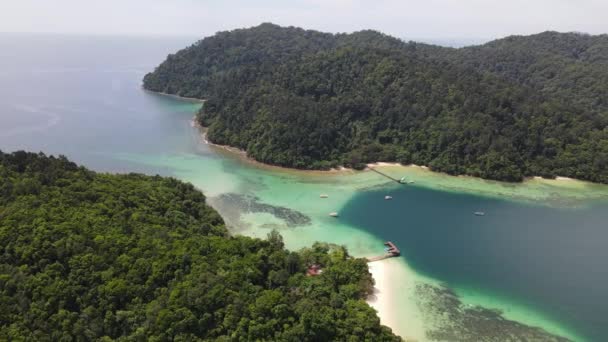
point(515, 107)
point(89, 256)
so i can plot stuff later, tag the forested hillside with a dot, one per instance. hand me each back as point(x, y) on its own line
point(87, 256)
point(512, 108)
point(572, 67)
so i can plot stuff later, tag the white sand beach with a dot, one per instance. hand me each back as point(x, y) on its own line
point(393, 279)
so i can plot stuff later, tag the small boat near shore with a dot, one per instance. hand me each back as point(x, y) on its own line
point(404, 180)
point(479, 213)
point(334, 214)
point(323, 196)
point(388, 197)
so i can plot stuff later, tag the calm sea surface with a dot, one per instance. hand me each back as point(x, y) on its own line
point(81, 97)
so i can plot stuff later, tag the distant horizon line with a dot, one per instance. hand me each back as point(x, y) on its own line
point(448, 41)
point(428, 40)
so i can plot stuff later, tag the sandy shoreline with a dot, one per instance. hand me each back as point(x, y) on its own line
point(530, 189)
point(243, 154)
point(564, 178)
point(380, 299)
point(392, 279)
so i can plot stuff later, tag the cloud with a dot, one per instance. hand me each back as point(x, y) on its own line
point(406, 18)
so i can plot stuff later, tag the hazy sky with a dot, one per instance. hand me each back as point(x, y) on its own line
point(432, 19)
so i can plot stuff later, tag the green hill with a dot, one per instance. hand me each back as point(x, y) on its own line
point(512, 108)
point(572, 67)
point(88, 256)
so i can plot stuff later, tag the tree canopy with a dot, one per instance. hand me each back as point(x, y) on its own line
point(89, 256)
point(512, 108)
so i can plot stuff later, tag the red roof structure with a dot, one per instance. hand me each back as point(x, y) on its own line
point(313, 270)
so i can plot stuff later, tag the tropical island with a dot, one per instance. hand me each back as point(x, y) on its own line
point(134, 257)
point(516, 107)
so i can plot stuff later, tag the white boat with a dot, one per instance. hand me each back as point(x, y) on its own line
point(323, 196)
point(334, 214)
point(479, 213)
point(403, 180)
point(388, 197)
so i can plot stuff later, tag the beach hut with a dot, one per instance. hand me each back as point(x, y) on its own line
point(313, 270)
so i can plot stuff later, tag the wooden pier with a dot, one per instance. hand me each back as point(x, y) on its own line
point(387, 176)
point(391, 252)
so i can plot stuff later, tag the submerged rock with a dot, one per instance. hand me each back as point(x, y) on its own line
point(451, 320)
point(252, 204)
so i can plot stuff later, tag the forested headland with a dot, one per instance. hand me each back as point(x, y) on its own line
point(512, 108)
point(89, 256)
